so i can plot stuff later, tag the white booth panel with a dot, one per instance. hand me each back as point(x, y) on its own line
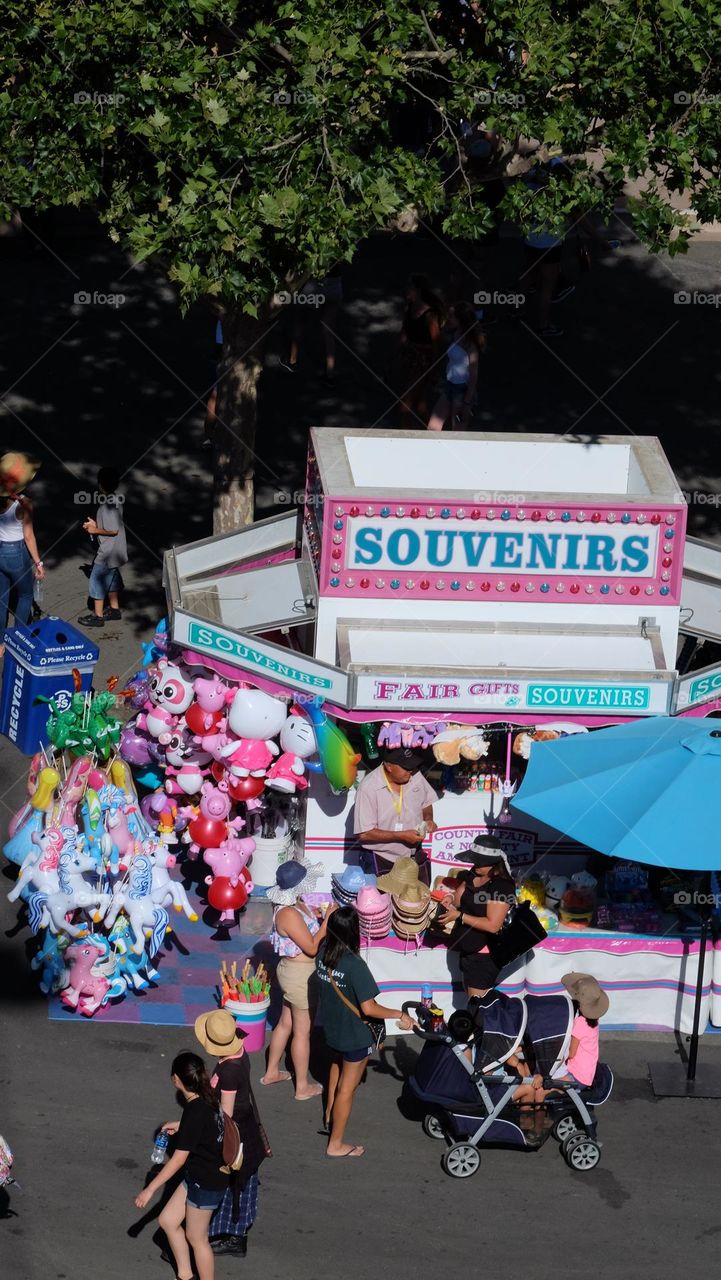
point(444, 464)
point(436, 649)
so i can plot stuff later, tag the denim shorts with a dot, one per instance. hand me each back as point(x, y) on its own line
point(103, 579)
point(356, 1055)
point(202, 1197)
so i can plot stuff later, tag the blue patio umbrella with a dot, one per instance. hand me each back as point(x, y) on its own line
point(648, 791)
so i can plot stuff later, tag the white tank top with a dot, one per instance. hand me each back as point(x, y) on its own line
point(11, 528)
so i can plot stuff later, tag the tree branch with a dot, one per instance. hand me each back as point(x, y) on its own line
point(331, 163)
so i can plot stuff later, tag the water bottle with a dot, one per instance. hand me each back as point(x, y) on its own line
point(160, 1150)
point(38, 593)
point(427, 995)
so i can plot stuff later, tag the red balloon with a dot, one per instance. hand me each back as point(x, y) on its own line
point(246, 788)
point(217, 769)
point(195, 719)
point(207, 832)
point(227, 897)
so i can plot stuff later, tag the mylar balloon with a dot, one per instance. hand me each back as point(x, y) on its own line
point(227, 897)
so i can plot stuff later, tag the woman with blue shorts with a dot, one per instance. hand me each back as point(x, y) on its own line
point(199, 1153)
point(348, 993)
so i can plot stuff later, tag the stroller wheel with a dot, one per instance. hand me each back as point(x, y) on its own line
point(461, 1160)
point(581, 1153)
point(432, 1126)
point(563, 1128)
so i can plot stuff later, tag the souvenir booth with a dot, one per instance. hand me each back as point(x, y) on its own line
point(494, 589)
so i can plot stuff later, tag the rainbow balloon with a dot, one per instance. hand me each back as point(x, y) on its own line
point(339, 760)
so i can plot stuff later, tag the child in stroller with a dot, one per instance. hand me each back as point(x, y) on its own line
point(590, 1002)
point(470, 1103)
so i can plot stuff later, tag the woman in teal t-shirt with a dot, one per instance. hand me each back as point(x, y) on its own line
point(348, 993)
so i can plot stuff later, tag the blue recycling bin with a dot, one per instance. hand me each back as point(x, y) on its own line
point(39, 659)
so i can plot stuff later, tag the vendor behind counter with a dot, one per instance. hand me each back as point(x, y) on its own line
point(394, 810)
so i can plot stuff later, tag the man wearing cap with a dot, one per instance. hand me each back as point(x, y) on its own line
point(391, 804)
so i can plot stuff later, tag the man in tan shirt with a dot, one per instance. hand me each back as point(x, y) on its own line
point(391, 803)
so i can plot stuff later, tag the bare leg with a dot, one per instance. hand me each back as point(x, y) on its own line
point(114, 601)
point(437, 420)
point(300, 1054)
point(98, 606)
point(328, 321)
point(333, 1078)
point(279, 1038)
point(350, 1077)
point(171, 1220)
point(197, 1222)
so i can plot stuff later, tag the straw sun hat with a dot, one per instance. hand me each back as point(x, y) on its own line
point(16, 470)
point(402, 876)
point(218, 1033)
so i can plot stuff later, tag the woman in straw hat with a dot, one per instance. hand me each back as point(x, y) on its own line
point(219, 1036)
point(348, 993)
point(296, 936)
point(19, 556)
point(477, 908)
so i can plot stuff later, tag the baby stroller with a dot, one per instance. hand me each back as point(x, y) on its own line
point(469, 1104)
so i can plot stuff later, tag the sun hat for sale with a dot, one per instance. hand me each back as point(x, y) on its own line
point(219, 1033)
point(414, 896)
point(347, 886)
point(372, 903)
point(293, 878)
point(589, 995)
point(404, 872)
point(16, 470)
point(406, 757)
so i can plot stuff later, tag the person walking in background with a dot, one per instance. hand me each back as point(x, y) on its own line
point(199, 1154)
point(20, 562)
point(419, 343)
point(348, 993)
point(112, 552)
point(296, 936)
point(219, 1036)
point(324, 298)
point(467, 343)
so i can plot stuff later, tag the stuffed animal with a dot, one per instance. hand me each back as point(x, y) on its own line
point(533, 890)
point(524, 740)
point(556, 886)
point(459, 740)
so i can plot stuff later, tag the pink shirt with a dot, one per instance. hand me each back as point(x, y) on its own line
point(585, 1060)
point(375, 806)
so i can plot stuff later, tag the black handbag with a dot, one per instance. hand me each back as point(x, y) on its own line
point(520, 932)
point(376, 1026)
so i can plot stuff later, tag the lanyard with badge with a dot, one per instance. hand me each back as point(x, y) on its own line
point(396, 801)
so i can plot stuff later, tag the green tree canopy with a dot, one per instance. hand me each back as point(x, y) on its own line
point(250, 145)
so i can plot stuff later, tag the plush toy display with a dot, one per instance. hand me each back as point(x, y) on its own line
point(459, 741)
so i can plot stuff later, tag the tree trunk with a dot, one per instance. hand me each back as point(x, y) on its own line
point(233, 432)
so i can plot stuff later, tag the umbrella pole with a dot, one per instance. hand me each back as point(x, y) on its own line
point(693, 1047)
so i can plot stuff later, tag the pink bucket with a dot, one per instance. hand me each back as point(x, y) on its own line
point(251, 1017)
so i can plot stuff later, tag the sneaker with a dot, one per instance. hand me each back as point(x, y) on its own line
point(236, 1246)
point(112, 615)
point(564, 292)
point(550, 331)
point(91, 620)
